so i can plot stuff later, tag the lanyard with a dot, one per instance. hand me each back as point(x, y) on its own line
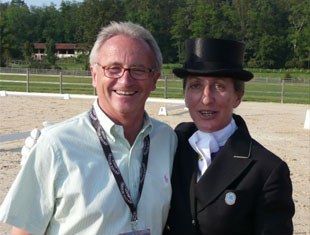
point(115, 170)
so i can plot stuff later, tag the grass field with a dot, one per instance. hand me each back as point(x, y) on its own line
point(261, 89)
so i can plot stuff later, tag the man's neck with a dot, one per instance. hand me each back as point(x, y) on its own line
point(131, 133)
point(131, 123)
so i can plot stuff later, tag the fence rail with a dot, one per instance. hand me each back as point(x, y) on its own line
point(168, 86)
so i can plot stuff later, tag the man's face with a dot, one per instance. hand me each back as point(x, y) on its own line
point(125, 95)
point(211, 101)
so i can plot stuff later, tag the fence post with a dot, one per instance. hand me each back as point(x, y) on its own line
point(60, 83)
point(27, 78)
point(165, 88)
point(282, 90)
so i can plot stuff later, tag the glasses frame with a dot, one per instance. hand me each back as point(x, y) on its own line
point(147, 71)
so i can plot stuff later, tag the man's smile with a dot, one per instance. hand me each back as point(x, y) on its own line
point(125, 93)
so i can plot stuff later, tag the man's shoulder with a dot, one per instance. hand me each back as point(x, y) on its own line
point(163, 131)
point(157, 124)
point(73, 123)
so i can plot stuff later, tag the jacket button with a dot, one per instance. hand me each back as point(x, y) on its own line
point(194, 222)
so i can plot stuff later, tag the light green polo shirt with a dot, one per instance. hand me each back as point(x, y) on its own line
point(66, 185)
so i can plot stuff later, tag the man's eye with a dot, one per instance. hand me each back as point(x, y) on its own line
point(114, 69)
point(138, 70)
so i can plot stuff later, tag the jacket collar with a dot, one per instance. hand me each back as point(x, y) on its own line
point(231, 161)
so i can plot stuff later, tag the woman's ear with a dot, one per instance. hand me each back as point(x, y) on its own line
point(238, 99)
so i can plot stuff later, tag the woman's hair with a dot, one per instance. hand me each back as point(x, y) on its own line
point(238, 85)
point(128, 29)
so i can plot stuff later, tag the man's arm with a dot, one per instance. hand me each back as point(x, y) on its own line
point(17, 231)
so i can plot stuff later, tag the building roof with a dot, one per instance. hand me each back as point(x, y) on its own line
point(59, 46)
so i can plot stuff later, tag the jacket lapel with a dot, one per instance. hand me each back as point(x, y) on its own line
point(229, 163)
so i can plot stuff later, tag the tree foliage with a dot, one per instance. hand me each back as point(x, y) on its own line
point(276, 32)
point(50, 52)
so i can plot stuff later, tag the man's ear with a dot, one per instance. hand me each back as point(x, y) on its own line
point(155, 77)
point(93, 72)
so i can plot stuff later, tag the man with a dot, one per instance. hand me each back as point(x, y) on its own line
point(101, 171)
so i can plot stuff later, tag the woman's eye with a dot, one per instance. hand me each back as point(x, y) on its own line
point(219, 87)
point(194, 86)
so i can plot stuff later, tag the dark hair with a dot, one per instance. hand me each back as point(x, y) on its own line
point(238, 85)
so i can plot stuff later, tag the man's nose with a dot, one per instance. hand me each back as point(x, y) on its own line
point(126, 77)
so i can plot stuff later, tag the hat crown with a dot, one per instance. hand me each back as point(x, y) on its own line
point(213, 57)
point(206, 53)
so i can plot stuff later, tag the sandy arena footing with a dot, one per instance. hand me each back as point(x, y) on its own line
point(279, 127)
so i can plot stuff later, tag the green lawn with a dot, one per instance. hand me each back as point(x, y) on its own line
point(267, 89)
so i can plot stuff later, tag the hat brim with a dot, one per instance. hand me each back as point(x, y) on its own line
point(239, 74)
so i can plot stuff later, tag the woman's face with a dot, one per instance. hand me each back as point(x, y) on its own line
point(211, 101)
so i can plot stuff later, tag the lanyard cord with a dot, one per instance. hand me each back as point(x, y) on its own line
point(114, 168)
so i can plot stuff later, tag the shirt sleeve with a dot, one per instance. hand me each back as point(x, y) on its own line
point(29, 203)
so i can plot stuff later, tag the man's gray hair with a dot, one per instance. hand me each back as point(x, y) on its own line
point(128, 29)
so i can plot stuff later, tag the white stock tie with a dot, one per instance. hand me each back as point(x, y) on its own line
point(205, 143)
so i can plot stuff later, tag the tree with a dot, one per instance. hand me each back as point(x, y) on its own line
point(18, 3)
point(181, 29)
point(299, 33)
point(4, 46)
point(28, 51)
point(50, 52)
point(213, 19)
point(271, 52)
point(52, 24)
point(67, 21)
point(267, 34)
point(15, 29)
point(183, 19)
point(241, 9)
point(276, 32)
point(93, 14)
point(155, 15)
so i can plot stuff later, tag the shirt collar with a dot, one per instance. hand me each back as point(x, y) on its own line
point(204, 143)
point(222, 135)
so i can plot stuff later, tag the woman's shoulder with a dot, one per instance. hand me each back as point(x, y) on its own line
point(185, 129)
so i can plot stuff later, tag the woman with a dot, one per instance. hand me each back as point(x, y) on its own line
point(224, 182)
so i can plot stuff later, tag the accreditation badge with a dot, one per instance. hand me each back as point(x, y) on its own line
point(138, 232)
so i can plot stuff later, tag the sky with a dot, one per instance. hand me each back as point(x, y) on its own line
point(41, 3)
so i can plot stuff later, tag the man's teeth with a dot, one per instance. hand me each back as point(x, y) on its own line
point(125, 92)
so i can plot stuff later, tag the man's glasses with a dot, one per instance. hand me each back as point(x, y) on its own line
point(117, 71)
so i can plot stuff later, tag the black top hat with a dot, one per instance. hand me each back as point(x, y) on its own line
point(214, 57)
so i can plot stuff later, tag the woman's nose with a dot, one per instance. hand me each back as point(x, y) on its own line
point(207, 96)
